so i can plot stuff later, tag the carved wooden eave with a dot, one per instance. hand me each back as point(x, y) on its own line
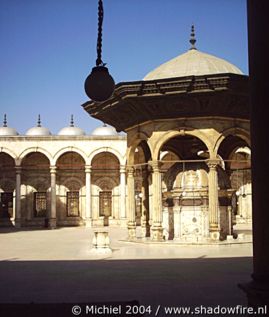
point(132, 103)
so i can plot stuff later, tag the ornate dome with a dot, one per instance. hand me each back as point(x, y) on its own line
point(7, 131)
point(105, 130)
point(192, 63)
point(38, 130)
point(71, 130)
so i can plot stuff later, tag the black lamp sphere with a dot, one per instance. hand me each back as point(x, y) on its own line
point(99, 85)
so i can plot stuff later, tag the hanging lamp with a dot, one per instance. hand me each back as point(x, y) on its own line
point(99, 85)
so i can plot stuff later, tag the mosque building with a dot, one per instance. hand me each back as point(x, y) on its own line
point(181, 171)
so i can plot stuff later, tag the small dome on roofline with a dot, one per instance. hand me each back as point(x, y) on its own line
point(5, 130)
point(38, 130)
point(105, 130)
point(192, 63)
point(71, 130)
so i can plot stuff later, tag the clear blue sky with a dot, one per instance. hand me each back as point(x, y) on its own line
point(48, 47)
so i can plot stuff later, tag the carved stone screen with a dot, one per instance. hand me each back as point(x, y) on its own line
point(40, 204)
point(73, 204)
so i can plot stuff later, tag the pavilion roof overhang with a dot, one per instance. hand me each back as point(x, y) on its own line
point(132, 103)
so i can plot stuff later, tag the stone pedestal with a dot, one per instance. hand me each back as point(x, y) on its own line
point(101, 243)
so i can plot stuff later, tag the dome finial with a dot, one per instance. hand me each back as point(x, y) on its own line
point(5, 121)
point(72, 121)
point(192, 39)
point(39, 121)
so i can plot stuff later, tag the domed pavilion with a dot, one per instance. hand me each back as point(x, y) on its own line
point(188, 156)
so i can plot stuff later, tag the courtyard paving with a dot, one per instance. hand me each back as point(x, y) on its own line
point(56, 266)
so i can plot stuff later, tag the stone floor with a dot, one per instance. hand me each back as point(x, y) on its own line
point(56, 266)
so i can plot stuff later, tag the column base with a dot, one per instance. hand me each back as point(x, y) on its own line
point(157, 233)
point(145, 227)
point(257, 294)
point(17, 223)
point(52, 223)
point(131, 231)
point(88, 223)
point(123, 222)
point(214, 235)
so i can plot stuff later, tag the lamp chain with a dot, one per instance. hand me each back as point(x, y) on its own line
point(99, 38)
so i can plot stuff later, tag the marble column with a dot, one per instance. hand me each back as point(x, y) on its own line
point(88, 209)
point(145, 203)
point(131, 203)
point(52, 217)
point(157, 229)
point(213, 199)
point(258, 46)
point(18, 197)
point(122, 193)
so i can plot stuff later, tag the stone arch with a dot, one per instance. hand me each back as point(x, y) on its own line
point(68, 149)
point(77, 180)
point(139, 136)
point(106, 180)
point(240, 132)
point(33, 150)
point(9, 152)
point(171, 134)
point(7, 184)
point(130, 155)
point(105, 149)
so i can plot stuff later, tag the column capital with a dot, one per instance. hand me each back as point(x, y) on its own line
point(130, 171)
point(122, 169)
point(155, 165)
point(18, 169)
point(53, 169)
point(212, 163)
point(88, 168)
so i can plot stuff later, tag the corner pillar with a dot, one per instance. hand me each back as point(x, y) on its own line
point(145, 204)
point(122, 193)
point(131, 203)
point(157, 229)
point(214, 227)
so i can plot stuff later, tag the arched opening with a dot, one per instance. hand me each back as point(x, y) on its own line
point(35, 184)
point(143, 190)
point(237, 158)
point(70, 190)
point(7, 189)
point(184, 188)
point(105, 189)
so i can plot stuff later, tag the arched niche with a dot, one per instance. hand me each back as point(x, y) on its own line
point(7, 172)
point(105, 178)
point(70, 179)
point(35, 180)
point(173, 140)
point(7, 186)
point(237, 157)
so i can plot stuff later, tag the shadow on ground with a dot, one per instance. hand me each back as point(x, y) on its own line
point(178, 282)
